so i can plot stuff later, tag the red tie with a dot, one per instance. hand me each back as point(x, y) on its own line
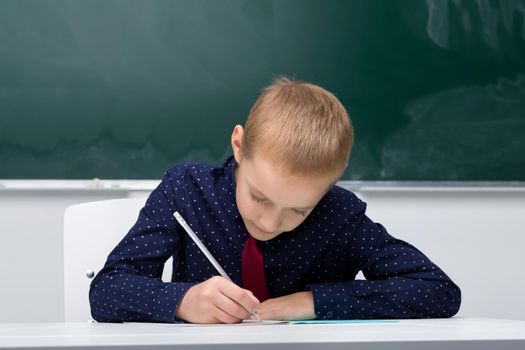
point(253, 269)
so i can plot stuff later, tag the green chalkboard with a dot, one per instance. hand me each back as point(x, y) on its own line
point(123, 89)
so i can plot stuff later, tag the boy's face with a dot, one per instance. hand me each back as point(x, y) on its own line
point(270, 201)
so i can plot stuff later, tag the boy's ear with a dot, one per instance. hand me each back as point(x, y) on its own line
point(237, 135)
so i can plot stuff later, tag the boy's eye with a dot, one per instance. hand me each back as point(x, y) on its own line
point(257, 199)
point(300, 212)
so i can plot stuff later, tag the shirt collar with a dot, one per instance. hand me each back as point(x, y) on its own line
point(229, 171)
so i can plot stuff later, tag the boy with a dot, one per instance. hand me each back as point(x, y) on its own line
point(291, 241)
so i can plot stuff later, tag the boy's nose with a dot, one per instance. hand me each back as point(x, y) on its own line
point(269, 223)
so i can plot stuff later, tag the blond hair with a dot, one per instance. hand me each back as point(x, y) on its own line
point(302, 127)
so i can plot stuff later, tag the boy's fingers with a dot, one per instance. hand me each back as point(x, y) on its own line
point(250, 293)
point(224, 317)
point(231, 307)
point(241, 296)
point(247, 300)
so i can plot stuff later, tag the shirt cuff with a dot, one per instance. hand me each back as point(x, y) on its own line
point(331, 301)
point(167, 300)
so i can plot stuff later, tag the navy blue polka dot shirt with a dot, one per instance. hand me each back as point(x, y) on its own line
point(323, 254)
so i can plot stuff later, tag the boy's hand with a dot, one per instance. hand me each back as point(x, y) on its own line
point(297, 306)
point(216, 300)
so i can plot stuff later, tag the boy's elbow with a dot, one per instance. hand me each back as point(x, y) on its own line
point(455, 296)
point(99, 303)
point(94, 305)
point(444, 301)
point(100, 312)
point(451, 295)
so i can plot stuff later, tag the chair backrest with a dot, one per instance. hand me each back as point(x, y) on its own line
point(91, 231)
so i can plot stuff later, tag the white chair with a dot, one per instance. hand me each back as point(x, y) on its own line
point(91, 231)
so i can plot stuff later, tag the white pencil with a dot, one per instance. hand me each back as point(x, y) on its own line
point(205, 251)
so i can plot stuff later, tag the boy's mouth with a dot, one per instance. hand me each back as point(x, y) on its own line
point(256, 231)
point(263, 231)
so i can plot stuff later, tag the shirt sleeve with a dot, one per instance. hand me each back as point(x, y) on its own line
point(401, 282)
point(129, 287)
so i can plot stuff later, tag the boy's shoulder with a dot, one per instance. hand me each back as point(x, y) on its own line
point(339, 208)
point(197, 170)
point(190, 167)
point(343, 201)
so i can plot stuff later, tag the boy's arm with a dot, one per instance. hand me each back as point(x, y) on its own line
point(129, 287)
point(401, 282)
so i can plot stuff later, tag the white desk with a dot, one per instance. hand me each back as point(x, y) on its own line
point(456, 333)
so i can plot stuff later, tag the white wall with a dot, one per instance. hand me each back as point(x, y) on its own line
point(31, 243)
point(474, 233)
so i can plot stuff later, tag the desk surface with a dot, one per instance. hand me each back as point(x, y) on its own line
point(455, 333)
